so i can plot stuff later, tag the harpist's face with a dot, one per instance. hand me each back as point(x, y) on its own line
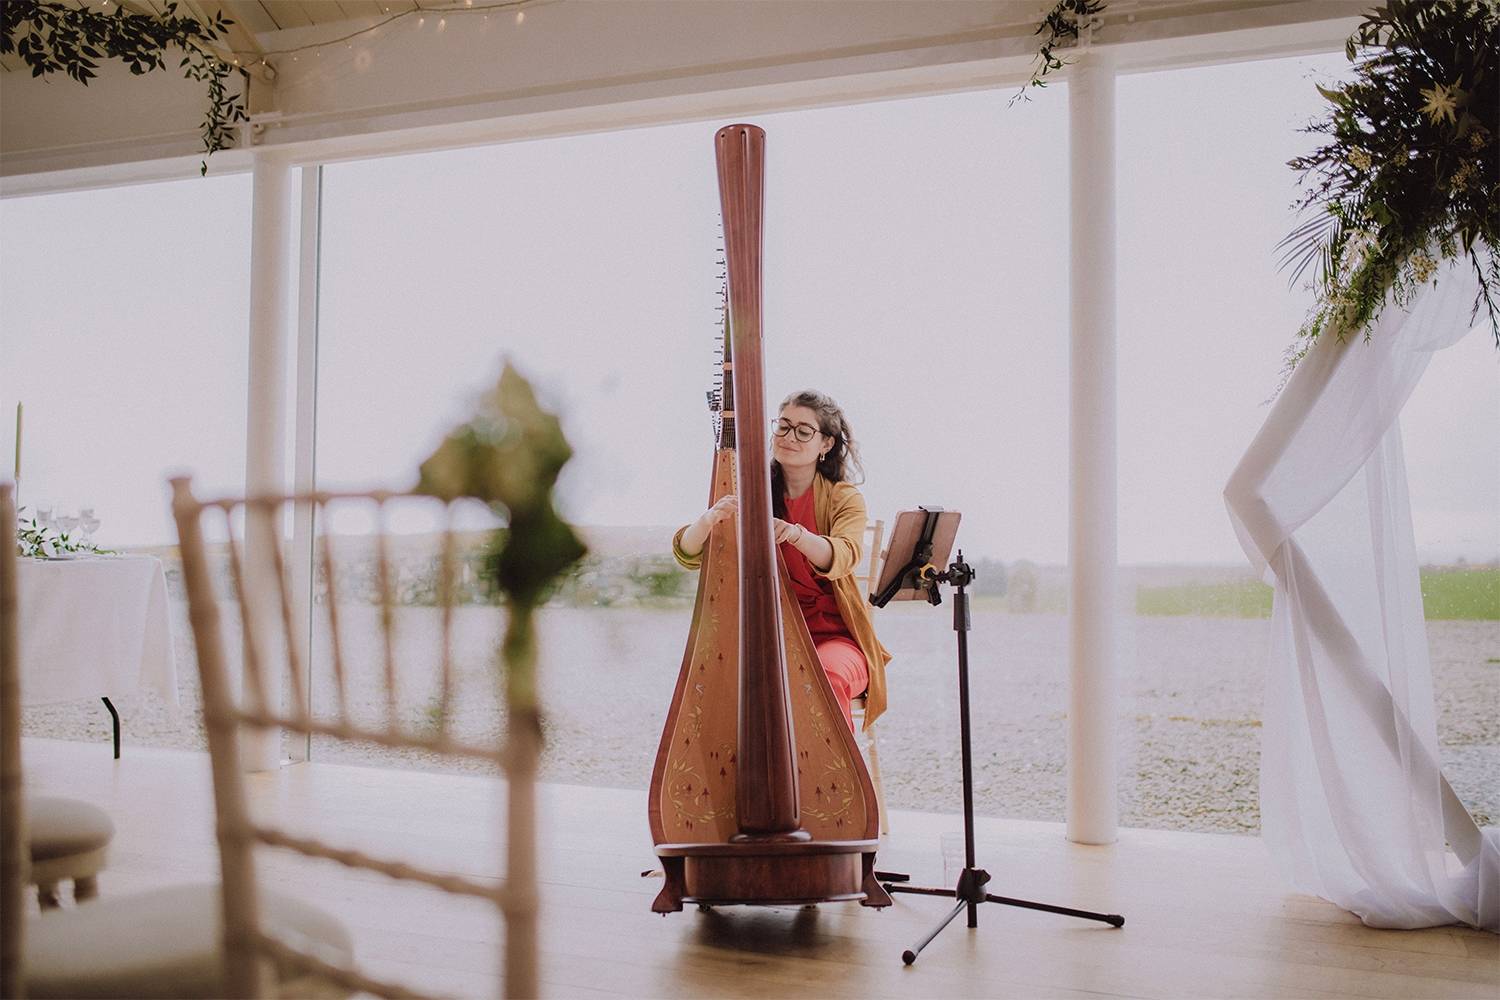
point(792, 424)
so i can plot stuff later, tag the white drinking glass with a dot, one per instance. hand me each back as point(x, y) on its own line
point(87, 525)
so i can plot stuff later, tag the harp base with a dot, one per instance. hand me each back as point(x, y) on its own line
point(798, 836)
point(776, 873)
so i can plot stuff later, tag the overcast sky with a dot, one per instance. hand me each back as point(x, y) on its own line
point(915, 268)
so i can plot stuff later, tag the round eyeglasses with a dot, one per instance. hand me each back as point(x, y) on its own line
point(802, 432)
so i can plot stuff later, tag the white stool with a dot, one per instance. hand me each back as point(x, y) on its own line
point(68, 839)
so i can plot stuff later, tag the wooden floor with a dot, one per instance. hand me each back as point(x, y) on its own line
point(1205, 915)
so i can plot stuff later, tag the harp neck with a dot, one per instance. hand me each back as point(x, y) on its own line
point(767, 807)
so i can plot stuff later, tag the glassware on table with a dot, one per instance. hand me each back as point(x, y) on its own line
point(87, 525)
point(66, 523)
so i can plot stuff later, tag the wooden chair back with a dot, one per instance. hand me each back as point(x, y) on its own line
point(264, 596)
point(14, 855)
point(876, 530)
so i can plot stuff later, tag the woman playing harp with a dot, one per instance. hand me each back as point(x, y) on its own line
point(819, 528)
point(758, 794)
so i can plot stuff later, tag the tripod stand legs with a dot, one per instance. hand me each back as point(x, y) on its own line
point(970, 893)
point(910, 955)
point(1113, 919)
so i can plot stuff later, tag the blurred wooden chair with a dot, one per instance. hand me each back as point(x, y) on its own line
point(163, 943)
point(876, 532)
point(262, 595)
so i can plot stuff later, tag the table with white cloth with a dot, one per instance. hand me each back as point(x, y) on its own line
point(95, 627)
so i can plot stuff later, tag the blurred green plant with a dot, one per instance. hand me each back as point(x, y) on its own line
point(509, 455)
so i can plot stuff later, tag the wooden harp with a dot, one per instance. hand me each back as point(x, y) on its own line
point(758, 794)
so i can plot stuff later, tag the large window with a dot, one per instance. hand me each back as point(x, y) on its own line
point(123, 334)
point(1205, 194)
point(915, 269)
point(1451, 433)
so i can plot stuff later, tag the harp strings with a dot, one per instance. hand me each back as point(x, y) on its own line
point(716, 395)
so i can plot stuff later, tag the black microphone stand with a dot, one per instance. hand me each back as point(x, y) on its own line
point(970, 891)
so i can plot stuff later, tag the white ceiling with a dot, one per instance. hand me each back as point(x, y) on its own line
point(574, 66)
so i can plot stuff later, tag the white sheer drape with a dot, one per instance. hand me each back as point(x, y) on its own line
point(1354, 806)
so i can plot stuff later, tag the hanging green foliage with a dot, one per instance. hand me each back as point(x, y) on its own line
point(54, 38)
point(1058, 28)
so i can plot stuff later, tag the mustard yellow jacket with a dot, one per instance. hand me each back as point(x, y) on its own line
point(840, 515)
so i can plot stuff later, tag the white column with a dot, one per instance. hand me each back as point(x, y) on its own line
point(1092, 809)
point(304, 468)
point(266, 417)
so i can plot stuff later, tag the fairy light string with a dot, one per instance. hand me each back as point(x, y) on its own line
point(421, 13)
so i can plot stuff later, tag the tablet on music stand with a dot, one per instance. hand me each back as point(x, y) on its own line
point(920, 539)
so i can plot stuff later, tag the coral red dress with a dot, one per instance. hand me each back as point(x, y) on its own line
point(840, 655)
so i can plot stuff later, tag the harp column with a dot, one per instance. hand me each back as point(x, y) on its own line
point(1092, 510)
point(266, 410)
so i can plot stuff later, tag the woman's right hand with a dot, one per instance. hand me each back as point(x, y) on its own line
point(697, 533)
point(727, 507)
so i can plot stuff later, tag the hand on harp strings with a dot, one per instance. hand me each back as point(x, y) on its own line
point(696, 535)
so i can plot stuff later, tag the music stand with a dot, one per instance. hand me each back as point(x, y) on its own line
point(920, 542)
point(920, 539)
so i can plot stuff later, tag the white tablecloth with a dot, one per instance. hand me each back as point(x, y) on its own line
point(95, 627)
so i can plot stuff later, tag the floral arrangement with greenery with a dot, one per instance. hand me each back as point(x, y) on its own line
point(35, 540)
point(53, 37)
point(1410, 174)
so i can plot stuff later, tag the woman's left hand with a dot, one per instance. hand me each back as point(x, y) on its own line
point(786, 531)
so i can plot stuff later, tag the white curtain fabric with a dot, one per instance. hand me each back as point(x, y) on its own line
point(1354, 805)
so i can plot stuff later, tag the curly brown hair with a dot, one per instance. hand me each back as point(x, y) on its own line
point(841, 464)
